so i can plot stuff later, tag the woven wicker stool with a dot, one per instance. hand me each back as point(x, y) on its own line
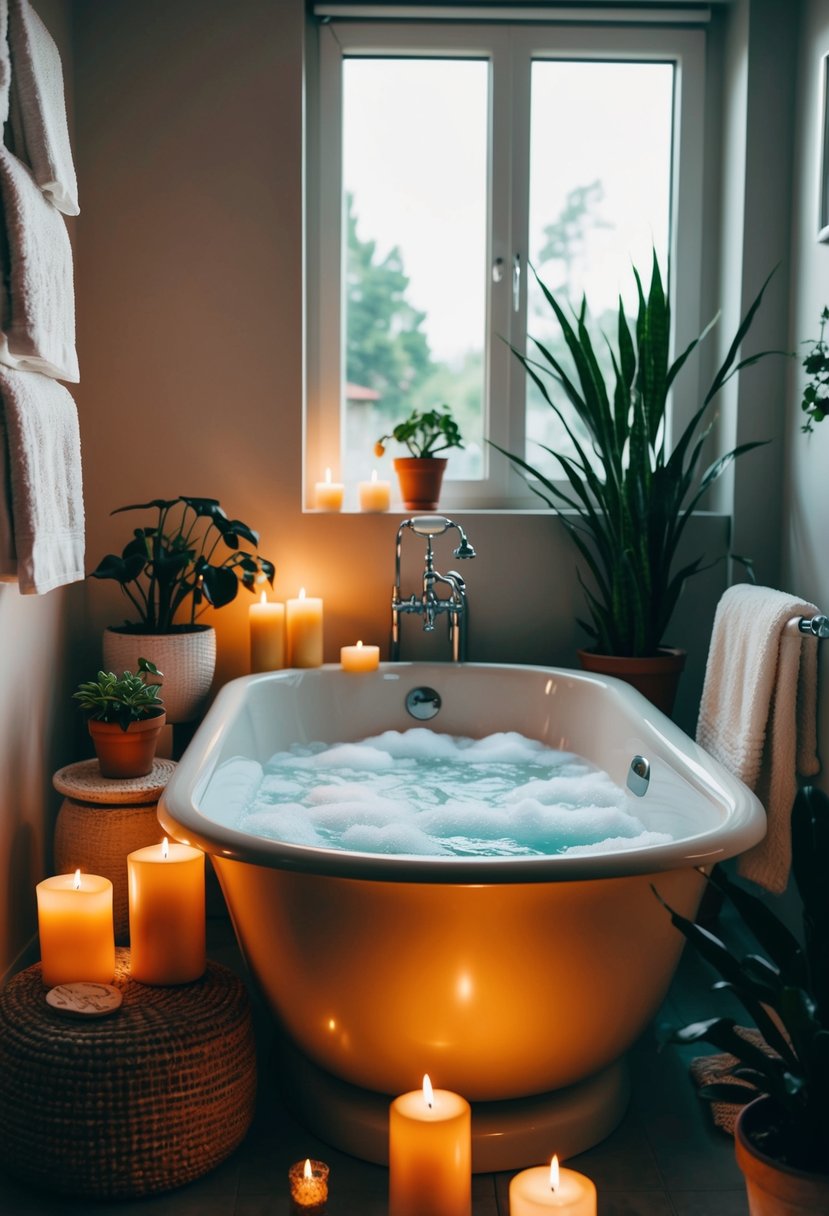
point(144, 1100)
point(101, 820)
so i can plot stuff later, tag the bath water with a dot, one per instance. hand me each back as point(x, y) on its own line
point(417, 792)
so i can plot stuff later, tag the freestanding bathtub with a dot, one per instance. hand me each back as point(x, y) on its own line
point(518, 982)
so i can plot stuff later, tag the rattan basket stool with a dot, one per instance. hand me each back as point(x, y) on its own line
point(144, 1100)
point(101, 820)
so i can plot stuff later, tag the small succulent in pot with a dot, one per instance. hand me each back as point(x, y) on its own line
point(125, 716)
point(786, 995)
point(424, 433)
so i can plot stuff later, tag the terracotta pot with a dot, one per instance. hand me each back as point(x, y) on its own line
point(188, 660)
point(657, 677)
point(420, 481)
point(774, 1189)
point(126, 753)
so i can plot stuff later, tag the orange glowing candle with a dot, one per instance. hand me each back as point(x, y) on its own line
point(77, 938)
point(551, 1189)
point(430, 1154)
point(374, 495)
point(359, 657)
point(303, 628)
point(167, 916)
point(267, 635)
point(329, 494)
point(309, 1186)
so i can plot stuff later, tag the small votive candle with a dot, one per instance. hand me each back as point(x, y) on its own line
point(359, 657)
point(374, 495)
point(309, 1185)
point(77, 936)
point(267, 635)
point(329, 494)
point(551, 1189)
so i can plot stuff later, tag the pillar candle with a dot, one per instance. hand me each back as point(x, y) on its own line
point(167, 915)
point(303, 628)
point(552, 1190)
point(267, 635)
point(430, 1154)
point(374, 495)
point(329, 494)
point(359, 657)
point(77, 937)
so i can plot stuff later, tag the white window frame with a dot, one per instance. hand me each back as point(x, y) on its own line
point(511, 50)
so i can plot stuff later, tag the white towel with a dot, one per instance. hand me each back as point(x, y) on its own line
point(43, 465)
point(37, 308)
point(38, 111)
point(5, 65)
point(758, 713)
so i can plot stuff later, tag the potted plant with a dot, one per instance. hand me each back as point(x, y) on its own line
point(125, 716)
point(815, 400)
point(782, 1136)
point(627, 496)
point(188, 557)
point(421, 473)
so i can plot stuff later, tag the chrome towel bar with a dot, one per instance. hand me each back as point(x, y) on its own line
point(814, 626)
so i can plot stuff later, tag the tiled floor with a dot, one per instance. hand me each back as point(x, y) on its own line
point(665, 1159)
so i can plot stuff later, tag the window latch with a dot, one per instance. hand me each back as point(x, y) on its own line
point(497, 270)
point(516, 282)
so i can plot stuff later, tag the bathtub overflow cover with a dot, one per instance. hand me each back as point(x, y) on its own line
point(639, 776)
point(423, 703)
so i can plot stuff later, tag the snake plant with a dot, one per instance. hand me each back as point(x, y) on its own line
point(627, 497)
point(786, 995)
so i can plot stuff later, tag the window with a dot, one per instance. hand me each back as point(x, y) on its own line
point(446, 162)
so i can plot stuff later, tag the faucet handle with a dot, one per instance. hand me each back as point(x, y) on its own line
point(429, 525)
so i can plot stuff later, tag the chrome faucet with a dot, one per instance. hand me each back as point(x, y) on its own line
point(429, 604)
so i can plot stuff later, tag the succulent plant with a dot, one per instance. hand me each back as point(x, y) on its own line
point(121, 699)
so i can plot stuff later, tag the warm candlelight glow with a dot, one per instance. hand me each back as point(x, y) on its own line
point(301, 595)
point(77, 938)
point(374, 495)
point(328, 483)
point(267, 635)
point(308, 1181)
point(428, 1092)
point(165, 848)
point(167, 917)
point(359, 657)
point(328, 494)
point(308, 1172)
point(263, 598)
point(554, 1175)
point(76, 881)
point(430, 1153)
point(551, 1189)
point(303, 630)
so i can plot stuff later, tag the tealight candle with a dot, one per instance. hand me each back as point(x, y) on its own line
point(77, 935)
point(329, 494)
point(303, 627)
point(551, 1189)
point(374, 495)
point(430, 1154)
point(309, 1185)
point(167, 915)
point(267, 635)
point(359, 657)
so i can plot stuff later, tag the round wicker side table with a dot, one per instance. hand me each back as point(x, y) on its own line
point(144, 1100)
point(101, 820)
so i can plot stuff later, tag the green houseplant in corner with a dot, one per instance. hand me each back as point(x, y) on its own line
point(782, 1136)
point(626, 497)
point(421, 473)
point(125, 715)
point(188, 557)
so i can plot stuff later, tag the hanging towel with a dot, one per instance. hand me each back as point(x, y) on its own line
point(758, 713)
point(43, 465)
point(40, 132)
point(37, 308)
point(5, 65)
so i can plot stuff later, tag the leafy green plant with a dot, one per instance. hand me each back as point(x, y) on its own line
point(627, 498)
point(121, 699)
point(424, 434)
point(815, 402)
point(176, 558)
point(786, 995)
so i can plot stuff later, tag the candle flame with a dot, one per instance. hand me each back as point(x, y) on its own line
point(302, 593)
point(554, 1178)
point(428, 1092)
point(76, 881)
point(263, 598)
point(374, 475)
point(328, 477)
point(307, 1172)
point(165, 848)
point(359, 645)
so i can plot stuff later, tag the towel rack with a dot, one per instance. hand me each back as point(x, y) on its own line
point(814, 626)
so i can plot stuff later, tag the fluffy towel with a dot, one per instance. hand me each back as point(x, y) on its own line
point(758, 714)
point(37, 308)
point(43, 466)
point(5, 64)
point(38, 112)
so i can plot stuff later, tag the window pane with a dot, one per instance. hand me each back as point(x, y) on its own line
point(600, 193)
point(415, 184)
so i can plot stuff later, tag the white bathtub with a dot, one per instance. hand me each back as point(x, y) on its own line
point(519, 982)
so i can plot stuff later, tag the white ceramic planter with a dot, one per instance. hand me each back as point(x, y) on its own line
point(188, 661)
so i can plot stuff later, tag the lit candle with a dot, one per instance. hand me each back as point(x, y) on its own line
point(267, 635)
point(77, 937)
point(303, 627)
point(430, 1154)
point(374, 495)
point(309, 1185)
point(167, 916)
point(359, 657)
point(329, 494)
point(550, 1189)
